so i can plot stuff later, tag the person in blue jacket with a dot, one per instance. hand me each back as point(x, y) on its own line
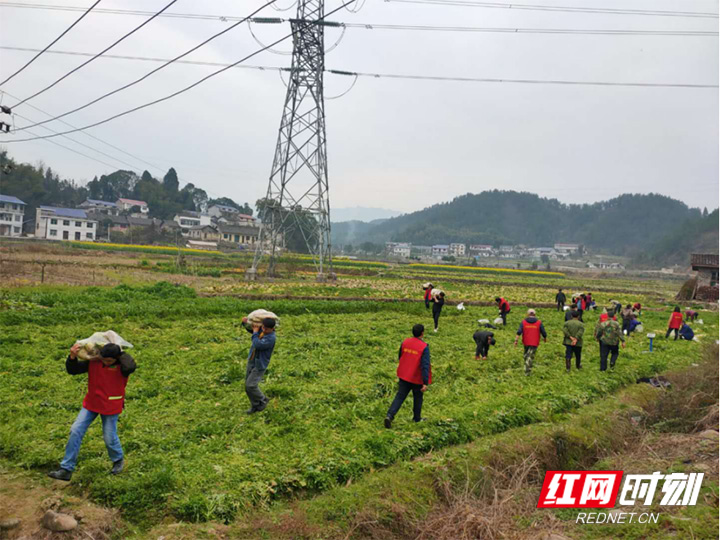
point(263, 343)
point(686, 332)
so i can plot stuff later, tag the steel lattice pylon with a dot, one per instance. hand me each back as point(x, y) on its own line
point(297, 197)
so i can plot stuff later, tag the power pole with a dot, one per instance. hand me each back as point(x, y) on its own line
point(297, 200)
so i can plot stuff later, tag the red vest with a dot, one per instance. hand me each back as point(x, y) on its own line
point(603, 317)
point(676, 319)
point(531, 333)
point(504, 305)
point(427, 294)
point(409, 365)
point(637, 306)
point(106, 388)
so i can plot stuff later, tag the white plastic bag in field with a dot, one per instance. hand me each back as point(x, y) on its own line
point(565, 308)
point(484, 321)
point(498, 320)
point(91, 346)
point(461, 306)
point(700, 321)
point(639, 328)
point(257, 316)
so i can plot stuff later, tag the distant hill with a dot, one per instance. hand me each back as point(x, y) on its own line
point(691, 236)
point(361, 213)
point(625, 225)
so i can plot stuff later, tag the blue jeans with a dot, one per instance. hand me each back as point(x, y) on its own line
point(77, 432)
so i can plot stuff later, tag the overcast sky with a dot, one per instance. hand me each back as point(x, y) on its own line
point(397, 144)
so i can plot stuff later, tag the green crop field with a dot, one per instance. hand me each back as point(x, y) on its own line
point(194, 455)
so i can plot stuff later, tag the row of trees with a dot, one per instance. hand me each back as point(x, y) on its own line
point(38, 185)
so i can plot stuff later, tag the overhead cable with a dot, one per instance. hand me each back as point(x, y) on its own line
point(127, 35)
point(167, 63)
point(520, 81)
point(571, 9)
point(174, 94)
point(53, 42)
point(90, 135)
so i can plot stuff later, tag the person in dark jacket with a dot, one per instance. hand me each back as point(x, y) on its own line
point(560, 299)
point(686, 332)
point(263, 344)
point(569, 314)
point(504, 307)
point(531, 328)
point(414, 374)
point(573, 331)
point(107, 378)
point(483, 340)
point(438, 303)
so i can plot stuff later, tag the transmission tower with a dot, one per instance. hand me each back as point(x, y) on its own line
point(297, 200)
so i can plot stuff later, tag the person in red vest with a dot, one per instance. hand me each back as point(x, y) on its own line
point(414, 373)
point(531, 328)
point(428, 297)
point(637, 306)
point(504, 307)
point(105, 396)
point(675, 322)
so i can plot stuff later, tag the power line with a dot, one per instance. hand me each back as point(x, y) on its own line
point(174, 94)
point(589, 31)
point(96, 56)
point(89, 135)
point(75, 151)
point(53, 42)
point(520, 81)
point(230, 18)
point(534, 7)
point(80, 143)
point(167, 63)
point(161, 169)
point(195, 16)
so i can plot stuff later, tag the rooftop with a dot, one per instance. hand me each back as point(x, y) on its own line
point(10, 199)
point(238, 229)
point(101, 203)
point(65, 212)
point(132, 201)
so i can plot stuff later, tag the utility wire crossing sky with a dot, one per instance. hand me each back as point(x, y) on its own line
point(634, 107)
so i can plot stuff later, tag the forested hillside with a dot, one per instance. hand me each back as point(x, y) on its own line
point(625, 225)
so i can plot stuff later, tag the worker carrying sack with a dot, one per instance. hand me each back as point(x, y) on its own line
point(90, 347)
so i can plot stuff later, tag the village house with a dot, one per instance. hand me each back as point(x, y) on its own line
point(12, 212)
point(457, 250)
point(402, 250)
point(569, 249)
point(64, 224)
point(239, 234)
point(440, 250)
point(100, 207)
point(188, 219)
point(206, 233)
point(481, 250)
point(124, 205)
point(706, 266)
